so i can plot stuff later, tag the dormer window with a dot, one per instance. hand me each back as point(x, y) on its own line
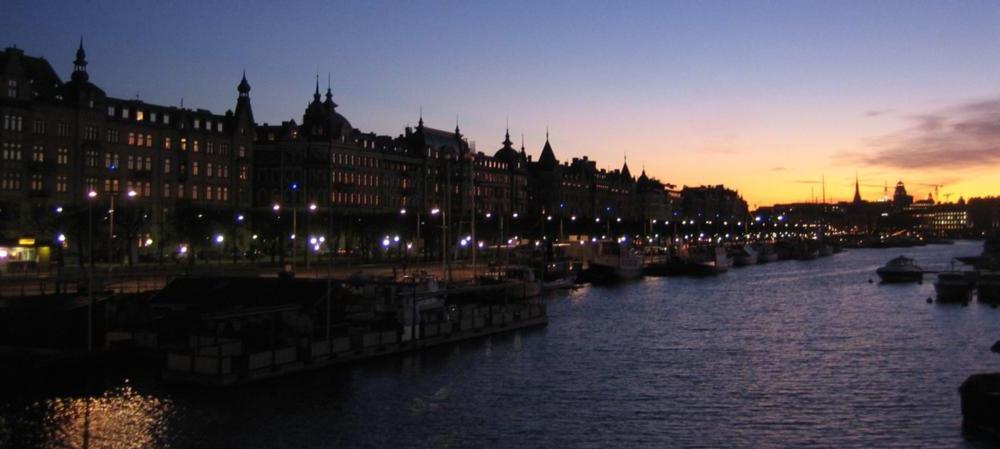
point(125, 113)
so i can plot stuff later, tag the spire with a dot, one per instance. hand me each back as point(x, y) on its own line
point(244, 87)
point(80, 63)
point(506, 137)
point(857, 190)
point(420, 123)
point(329, 94)
point(522, 142)
point(625, 168)
point(316, 93)
point(547, 160)
point(457, 131)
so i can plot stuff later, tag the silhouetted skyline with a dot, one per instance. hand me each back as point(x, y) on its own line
point(766, 98)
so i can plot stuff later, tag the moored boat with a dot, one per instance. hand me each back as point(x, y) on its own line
point(900, 269)
point(953, 286)
point(615, 262)
point(988, 287)
point(744, 256)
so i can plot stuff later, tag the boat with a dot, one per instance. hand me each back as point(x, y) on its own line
point(988, 287)
point(519, 279)
point(825, 250)
point(744, 256)
point(953, 286)
point(558, 275)
point(615, 262)
point(980, 396)
point(900, 269)
point(766, 253)
point(710, 261)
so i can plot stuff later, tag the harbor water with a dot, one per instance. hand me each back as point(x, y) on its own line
point(786, 354)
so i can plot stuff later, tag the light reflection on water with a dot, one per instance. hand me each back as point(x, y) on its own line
point(118, 418)
point(790, 354)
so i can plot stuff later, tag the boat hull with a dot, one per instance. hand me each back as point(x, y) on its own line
point(608, 273)
point(897, 277)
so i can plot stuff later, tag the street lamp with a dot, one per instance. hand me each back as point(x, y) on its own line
point(90, 271)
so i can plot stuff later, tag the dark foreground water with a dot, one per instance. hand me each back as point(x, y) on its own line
point(789, 354)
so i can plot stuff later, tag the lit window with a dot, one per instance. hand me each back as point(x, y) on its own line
point(139, 114)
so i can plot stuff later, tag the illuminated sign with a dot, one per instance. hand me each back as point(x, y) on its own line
point(26, 241)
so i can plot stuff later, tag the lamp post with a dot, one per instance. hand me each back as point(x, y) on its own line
point(90, 271)
point(311, 210)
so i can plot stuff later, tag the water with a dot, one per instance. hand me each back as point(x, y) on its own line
point(788, 354)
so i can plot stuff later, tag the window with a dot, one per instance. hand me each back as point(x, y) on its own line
point(12, 122)
point(197, 123)
point(166, 190)
point(166, 119)
point(194, 168)
point(113, 136)
point(11, 151)
point(147, 164)
point(91, 159)
point(166, 166)
point(36, 182)
point(124, 112)
point(62, 156)
point(90, 133)
point(131, 138)
point(111, 161)
point(218, 126)
point(152, 117)
point(208, 193)
point(38, 154)
point(11, 88)
point(61, 184)
point(39, 127)
point(91, 184)
point(166, 143)
point(111, 185)
point(147, 189)
point(149, 140)
point(208, 169)
point(180, 191)
point(224, 149)
point(194, 192)
point(111, 111)
point(184, 144)
point(131, 160)
point(10, 181)
point(242, 151)
point(139, 115)
point(244, 173)
point(62, 129)
point(194, 146)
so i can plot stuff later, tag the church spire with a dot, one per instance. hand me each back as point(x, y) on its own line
point(80, 64)
point(244, 87)
point(329, 94)
point(316, 92)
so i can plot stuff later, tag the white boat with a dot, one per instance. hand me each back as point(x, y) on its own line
point(615, 262)
point(953, 286)
point(900, 269)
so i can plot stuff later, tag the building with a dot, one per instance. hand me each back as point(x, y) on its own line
point(147, 168)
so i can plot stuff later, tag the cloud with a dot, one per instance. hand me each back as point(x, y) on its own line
point(779, 169)
point(877, 112)
point(966, 136)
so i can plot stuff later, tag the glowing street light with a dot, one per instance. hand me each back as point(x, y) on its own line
point(132, 193)
point(219, 238)
point(91, 194)
point(435, 211)
point(276, 207)
point(312, 207)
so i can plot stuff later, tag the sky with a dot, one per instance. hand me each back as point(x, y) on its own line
point(780, 100)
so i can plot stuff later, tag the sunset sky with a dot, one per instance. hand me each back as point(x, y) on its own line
point(765, 97)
